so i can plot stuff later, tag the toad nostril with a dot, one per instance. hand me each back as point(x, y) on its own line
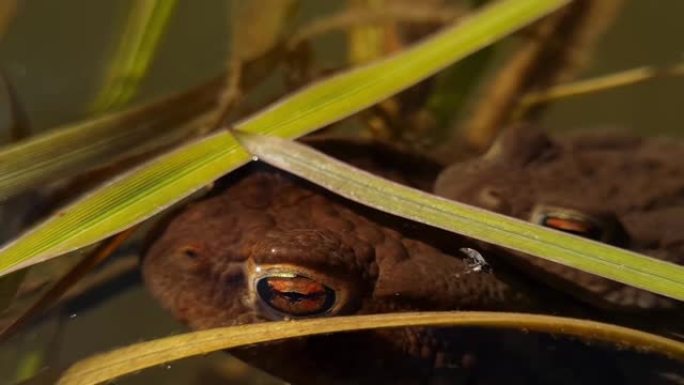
point(491, 198)
point(191, 251)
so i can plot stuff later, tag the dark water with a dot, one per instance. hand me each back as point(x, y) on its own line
point(644, 33)
point(54, 53)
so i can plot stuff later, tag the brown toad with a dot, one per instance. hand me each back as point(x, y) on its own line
point(618, 189)
point(265, 245)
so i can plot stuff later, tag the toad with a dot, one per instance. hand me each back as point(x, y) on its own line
point(265, 245)
point(606, 186)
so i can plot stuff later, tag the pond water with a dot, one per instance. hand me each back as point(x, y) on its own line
point(54, 54)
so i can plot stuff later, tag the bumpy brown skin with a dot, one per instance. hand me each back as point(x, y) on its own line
point(263, 216)
point(635, 183)
point(197, 267)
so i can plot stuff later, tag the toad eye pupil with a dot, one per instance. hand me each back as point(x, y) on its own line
point(572, 224)
point(296, 295)
point(191, 252)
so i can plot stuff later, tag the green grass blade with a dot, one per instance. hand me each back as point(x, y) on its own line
point(68, 150)
point(352, 91)
point(598, 258)
point(153, 187)
point(138, 44)
point(108, 366)
point(129, 199)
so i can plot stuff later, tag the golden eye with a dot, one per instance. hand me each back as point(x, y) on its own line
point(295, 295)
point(569, 221)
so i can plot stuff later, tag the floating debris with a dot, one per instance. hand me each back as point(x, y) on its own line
point(475, 260)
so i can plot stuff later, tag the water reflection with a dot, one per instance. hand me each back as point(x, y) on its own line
point(458, 356)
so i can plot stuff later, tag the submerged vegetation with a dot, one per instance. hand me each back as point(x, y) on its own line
point(411, 79)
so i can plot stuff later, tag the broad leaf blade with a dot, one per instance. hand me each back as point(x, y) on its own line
point(149, 189)
point(598, 258)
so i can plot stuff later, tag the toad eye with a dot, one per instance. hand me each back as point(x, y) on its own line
point(570, 221)
point(295, 295)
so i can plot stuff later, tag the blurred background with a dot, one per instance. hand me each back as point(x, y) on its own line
point(55, 53)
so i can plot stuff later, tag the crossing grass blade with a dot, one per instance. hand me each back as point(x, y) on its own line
point(342, 95)
point(153, 187)
point(599, 258)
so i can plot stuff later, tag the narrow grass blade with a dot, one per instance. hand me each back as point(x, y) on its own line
point(149, 189)
point(18, 129)
point(555, 49)
point(145, 26)
point(255, 34)
point(603, 83)
point(108, 366)
point(127, 200)
point(65, 151)
point(352, 91)
point(598, 258)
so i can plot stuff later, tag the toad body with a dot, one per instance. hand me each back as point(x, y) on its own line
point(268, 246)
point(622, 190)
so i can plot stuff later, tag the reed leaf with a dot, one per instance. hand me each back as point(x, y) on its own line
point(595, 257)
point(153, 187)
point(74, 148)
point(146, 24)
point(108, 366)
